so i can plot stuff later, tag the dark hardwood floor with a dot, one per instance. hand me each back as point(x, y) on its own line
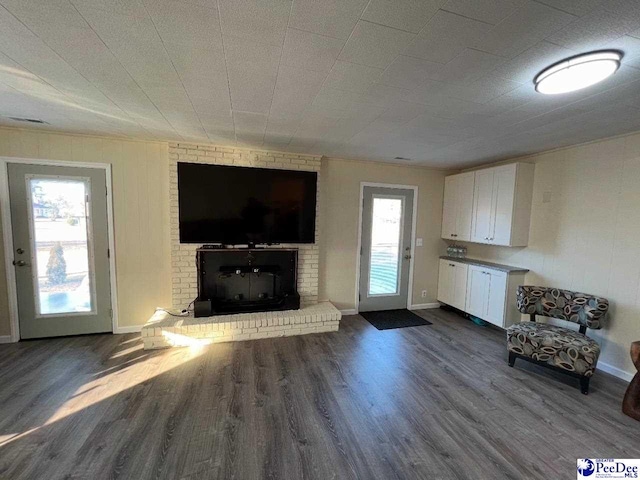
point(429, 402)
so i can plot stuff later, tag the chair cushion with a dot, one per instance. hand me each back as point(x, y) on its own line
point(587, 310)
point(557, 346)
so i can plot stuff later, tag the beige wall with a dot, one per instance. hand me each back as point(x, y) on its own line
point(141, 212)
point(585, 234)
point(341, 197)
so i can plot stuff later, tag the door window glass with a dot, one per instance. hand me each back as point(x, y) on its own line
point(61, 236)
point(386, 230)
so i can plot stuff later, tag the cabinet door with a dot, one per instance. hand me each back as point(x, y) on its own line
point(504, 184)
point(464, 193)
point(450, 207)
point(477, 291)
point(459, 289)
point(482, 206)
point(497, 298)
point(444, 282)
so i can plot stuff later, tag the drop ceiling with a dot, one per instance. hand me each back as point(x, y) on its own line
point(445, 83)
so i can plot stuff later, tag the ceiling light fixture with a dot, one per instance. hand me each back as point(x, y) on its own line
point(578, 72)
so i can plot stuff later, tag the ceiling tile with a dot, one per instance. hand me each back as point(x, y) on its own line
point(580, 7)
point(295, 90)
point(375, 45)
point(481, 90)
point(409, 72)
point(180, 22)
point(352, 77)
point(524, 67)
point(470, 64)
point(596, 28)
point(489, 11)
point(310, 51)
point(257, 20)
point(446, 36)
point(407, 15)
point(250, 127)
point(252, 68)
point(524, 28)
point(334, 18)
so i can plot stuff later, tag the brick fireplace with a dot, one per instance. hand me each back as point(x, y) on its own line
point(183, 256)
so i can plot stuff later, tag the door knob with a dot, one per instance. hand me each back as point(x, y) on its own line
point(20, 263)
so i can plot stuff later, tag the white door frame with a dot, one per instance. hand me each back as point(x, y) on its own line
point(413, 236)
point(7, 234)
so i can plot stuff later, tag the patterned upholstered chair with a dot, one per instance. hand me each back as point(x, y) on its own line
point(559, 348)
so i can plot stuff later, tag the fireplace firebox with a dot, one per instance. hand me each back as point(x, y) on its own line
point(236, 280)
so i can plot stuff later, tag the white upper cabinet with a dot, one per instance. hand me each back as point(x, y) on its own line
point(501, 210)
point(458, 205)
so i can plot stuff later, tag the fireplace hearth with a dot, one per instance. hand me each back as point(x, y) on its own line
point(238, 280)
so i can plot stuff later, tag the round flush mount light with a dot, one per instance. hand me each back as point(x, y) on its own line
point(578, 72)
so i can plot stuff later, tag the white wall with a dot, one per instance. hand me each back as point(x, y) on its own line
point(141, 212)
point(585, 234)
point(341, 200)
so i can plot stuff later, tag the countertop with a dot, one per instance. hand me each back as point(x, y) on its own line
point(481, 263)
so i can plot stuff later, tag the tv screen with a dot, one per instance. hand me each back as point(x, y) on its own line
point(242, 205)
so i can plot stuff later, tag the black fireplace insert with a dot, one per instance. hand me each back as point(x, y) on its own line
point(236, 280)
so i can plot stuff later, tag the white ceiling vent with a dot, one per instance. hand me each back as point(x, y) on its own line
point(28, 120)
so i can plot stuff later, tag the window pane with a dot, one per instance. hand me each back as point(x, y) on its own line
point(385, 246)
point(59, 215)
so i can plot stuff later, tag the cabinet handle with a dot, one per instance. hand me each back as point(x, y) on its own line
point(451, 265)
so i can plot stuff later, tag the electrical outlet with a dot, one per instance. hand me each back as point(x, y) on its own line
point(424, 294)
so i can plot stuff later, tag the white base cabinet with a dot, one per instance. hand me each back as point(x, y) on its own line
point(452, 283)
point(484, 292)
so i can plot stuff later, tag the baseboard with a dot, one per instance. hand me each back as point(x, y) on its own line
point(424, 306)
point(5, 339)
point(131, 329)
point(349, 311)
point(615, 371)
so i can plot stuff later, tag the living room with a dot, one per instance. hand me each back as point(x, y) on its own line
point(263, 239)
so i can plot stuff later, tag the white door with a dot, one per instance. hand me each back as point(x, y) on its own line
point(445, 281)
point(496, 298)
point(482, 207)
point(459, 289)
point(504, 182)
point(61, 249)
point(464, 193)
point(385, 256)
point(477, 291)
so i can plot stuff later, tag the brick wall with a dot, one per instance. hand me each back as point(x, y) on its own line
point(183, 264)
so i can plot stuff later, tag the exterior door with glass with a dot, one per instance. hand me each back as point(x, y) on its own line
point(61, 249)
point(385, 256)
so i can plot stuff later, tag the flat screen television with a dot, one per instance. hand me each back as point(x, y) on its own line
point(242, 205)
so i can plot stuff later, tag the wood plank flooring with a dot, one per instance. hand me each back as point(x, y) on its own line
point(429, 402)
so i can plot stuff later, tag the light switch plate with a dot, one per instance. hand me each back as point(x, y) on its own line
point(418, 242)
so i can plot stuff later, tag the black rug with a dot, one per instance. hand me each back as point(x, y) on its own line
point(388, 319)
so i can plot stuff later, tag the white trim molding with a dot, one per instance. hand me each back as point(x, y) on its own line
point(7, 234)
point(129, 329)
point(615, 371)
point(5, 339)
point(424, 306)
point(414, 221)
point(349, 311)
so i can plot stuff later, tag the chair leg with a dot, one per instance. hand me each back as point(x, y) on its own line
point(584, 385)
point(512, 358)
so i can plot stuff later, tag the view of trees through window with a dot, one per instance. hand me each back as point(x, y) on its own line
point(59, 214)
